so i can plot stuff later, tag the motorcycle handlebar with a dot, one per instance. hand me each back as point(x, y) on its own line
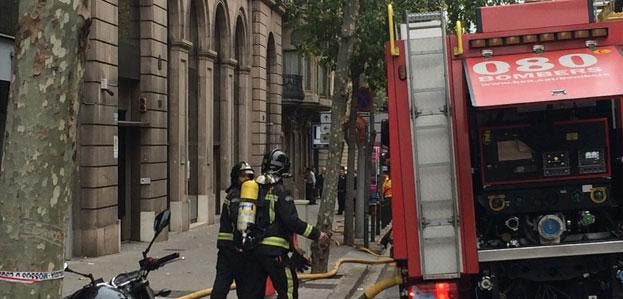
point(151, 264)
point(161, 261)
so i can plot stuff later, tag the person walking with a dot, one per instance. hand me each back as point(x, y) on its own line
point(232, 264)
point(310, 186)
point(278, 219)
point(320, 182)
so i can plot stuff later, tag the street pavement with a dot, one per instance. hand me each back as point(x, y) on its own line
point(195, 269)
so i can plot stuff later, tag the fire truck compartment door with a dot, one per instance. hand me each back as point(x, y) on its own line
point(547, 77)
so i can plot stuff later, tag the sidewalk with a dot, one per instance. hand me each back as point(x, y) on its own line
point(196, 269)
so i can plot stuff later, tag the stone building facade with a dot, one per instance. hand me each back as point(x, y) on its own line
point(307, 90)
point(123, 126)
point(174, 93)
point(224, 98)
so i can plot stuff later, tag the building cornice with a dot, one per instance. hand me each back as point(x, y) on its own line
point(276, 5)
point(208, 54)
point(181, 44)
point(230, 62)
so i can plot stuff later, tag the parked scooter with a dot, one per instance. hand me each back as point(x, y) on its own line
point(131, 285)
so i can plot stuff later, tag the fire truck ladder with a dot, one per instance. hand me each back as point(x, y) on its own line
point(433, 147)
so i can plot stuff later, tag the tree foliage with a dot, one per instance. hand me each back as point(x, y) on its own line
point(315, 28)
point(465, 10)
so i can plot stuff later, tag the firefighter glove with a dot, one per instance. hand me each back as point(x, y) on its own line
point(299, 262)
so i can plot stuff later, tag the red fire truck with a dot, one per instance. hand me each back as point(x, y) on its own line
point(506, 153)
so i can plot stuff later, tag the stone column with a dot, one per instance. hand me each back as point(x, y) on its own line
point(96, 226)
point(245, 120)
point(273, 98)
point(259, 34)
point(153, 88)
point(227, 119)
point(206, 205)
point(178, 139)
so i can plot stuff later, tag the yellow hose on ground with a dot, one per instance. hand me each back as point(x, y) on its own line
point(370, 251)
point(378, 287)
point(314, 276)
point(304, 276)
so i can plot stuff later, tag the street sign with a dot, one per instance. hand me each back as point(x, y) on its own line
point(325, 117)
point(364, 99)
point(551, 76)
point(325, 128)
point(320, 135)
point(320, 132)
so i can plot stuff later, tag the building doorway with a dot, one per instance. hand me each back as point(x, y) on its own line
point(129, 195)
point(129, 183)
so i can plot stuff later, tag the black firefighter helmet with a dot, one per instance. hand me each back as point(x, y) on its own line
point(276, 163)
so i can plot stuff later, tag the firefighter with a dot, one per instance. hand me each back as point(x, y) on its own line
point(232, 263)
point(387, 196)
point(277, 217)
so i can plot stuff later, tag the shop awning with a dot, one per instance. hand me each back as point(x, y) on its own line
point(551, 76)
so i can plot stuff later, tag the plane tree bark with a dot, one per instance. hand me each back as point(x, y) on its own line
point(38, 166)
point(320, 252)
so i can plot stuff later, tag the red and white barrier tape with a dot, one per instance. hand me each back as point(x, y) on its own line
point(30, 277)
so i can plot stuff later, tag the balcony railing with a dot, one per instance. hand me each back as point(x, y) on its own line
point(293, 87)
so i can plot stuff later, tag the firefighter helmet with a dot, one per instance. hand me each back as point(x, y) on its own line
point(276, 163)
point(240, 168)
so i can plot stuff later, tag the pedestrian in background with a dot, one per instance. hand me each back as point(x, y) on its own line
point(320, 182)
point(310, 186)
point(341, 191)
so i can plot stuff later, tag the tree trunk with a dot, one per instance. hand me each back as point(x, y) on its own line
point(320, 253)
point(349, 206)
point(370, 170)
point(39, 149)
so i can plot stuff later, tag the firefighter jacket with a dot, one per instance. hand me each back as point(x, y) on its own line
point(277, 214)
point(387, 188)
point(229, 215)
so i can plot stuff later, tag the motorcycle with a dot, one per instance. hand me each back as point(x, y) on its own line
point(131, 285)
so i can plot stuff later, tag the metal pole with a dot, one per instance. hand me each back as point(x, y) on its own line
point(374, 220)
point(366, 187)
point(361, 183)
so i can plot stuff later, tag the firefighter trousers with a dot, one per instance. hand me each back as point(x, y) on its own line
point(242, 268)
point(282, 275)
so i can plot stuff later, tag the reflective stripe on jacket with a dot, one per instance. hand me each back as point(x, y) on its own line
point(282, 219)
point(227, 222)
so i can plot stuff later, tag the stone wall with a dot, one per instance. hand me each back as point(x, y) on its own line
point(96, 227)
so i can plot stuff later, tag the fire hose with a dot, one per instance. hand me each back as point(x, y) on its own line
point(375, 289)
point(315, 276)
